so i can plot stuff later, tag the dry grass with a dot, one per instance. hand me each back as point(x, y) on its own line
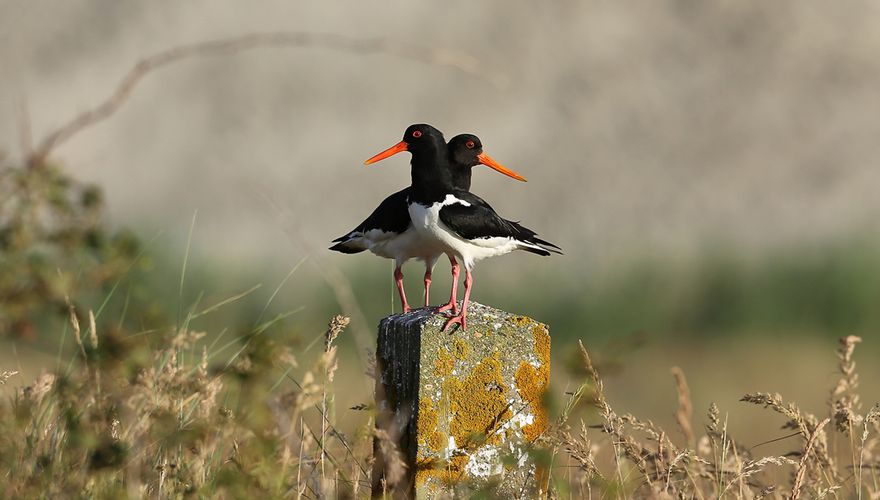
point(643, 461)
point(128, 419)
point(171, 417)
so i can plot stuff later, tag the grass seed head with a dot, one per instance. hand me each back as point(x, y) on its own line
point(334, 328)
point(6, 375)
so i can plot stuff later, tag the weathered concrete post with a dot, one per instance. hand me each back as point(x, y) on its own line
point(462, 407)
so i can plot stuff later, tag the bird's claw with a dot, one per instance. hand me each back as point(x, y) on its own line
point(459, 319)
point(451, 306)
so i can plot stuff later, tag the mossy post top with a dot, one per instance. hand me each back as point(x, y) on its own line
point(465, 406)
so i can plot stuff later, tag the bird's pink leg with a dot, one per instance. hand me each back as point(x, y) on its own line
point(427, 285)
point(453, 303)
point(461, 318)
point(398, 280)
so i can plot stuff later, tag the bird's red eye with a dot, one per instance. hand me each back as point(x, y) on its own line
point(469, 144)
point(417, 134)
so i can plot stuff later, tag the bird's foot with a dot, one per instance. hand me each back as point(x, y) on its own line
point(407, 308)
point(451, 306)
point(460, 319)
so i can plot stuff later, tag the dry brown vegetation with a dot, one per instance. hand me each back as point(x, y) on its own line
point(837, 455)
point(173, 416)
point(134, 418)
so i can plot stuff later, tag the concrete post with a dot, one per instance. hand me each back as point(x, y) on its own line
point(463, 408)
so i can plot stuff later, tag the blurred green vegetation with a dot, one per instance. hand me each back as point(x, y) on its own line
point(57, 248)
point(830, 290)
point(827, 290)
point(54, 244)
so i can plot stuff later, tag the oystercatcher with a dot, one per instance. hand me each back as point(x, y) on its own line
point(462, 224)
point(387, 232)
point(465, 152)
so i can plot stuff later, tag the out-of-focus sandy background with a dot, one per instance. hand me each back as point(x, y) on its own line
point(642, 127)
point(652, 134)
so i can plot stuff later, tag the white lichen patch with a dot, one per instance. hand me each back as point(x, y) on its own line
point(522, 420)
point(450, 448)
point(512, 428)
point(519, 452)
point(484, 463)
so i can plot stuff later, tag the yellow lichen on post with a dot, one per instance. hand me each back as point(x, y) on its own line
point(426, 425)
point(478, 399)
point(532, 383)
point(461, 349)
point(521, 320)
point(477, 404)
point(542, 344)
point(448, 472)
point(444, 363)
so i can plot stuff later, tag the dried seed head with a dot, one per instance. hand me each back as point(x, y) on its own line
point(714, 419)
point(186, 338)
point(93, 330)
point(288, 358)
point(873, 414)
point(39, 389)
point(330, 363)
point(203, 365)
point(6, 375)
point(685, 408)
point(114, 429)
point(334, 328)
point(847, 346)
point(582, 451)
point(74, 323)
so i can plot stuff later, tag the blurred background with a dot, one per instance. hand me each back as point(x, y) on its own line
point(708, 168)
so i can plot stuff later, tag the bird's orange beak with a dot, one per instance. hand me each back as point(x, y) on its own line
point(393, 150)
point(489, 162)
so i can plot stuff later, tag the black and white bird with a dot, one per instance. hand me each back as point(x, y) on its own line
point(461, 223)
point(388, 232)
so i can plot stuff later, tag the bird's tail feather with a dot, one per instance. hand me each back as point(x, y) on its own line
point(548, 246)
point(539, 246)
point(536, 250)
point(346, 247)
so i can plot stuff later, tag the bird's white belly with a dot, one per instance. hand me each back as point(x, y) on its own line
point(426, 221)
point(400, 246)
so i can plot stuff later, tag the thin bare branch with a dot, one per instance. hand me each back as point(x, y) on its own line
point(434, 56)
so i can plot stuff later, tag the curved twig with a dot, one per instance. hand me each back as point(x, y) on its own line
point(436, 56)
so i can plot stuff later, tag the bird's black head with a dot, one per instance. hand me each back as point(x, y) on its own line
point(463, 150)
point(422, 140)
point(466, 151)
point(421, 136)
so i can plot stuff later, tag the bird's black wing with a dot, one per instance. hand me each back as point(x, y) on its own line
point(391, 216)
point(472, 218)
